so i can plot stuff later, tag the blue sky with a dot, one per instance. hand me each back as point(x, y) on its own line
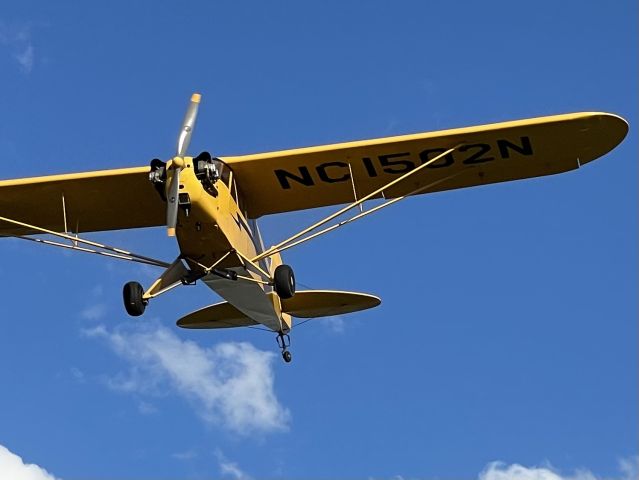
point(508, 328)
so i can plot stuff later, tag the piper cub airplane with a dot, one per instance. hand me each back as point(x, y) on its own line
point(211, 205)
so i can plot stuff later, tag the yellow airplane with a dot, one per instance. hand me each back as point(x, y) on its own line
point(211, 205)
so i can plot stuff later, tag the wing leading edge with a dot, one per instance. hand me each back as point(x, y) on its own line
point(319, 176)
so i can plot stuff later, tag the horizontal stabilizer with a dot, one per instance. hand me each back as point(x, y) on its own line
point(326, 303)
point(220, 315)
point(304, 304)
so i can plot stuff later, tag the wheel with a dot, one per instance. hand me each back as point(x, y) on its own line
point(286, 355)
point(284, 281)
point(133, 301)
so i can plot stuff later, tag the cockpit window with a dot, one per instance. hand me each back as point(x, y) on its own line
point(239, 200)
point(223, 171)
point(226, 175)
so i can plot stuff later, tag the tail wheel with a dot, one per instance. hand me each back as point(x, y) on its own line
point(284, 281)
point(133, 301)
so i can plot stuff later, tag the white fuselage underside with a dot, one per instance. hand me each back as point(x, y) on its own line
point(248, 297)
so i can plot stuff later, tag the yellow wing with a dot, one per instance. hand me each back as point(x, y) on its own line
point(318, 176)
point(101, 200)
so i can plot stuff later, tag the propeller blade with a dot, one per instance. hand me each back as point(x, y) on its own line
point(172, 202)
point(184, 139)
point(187, 125)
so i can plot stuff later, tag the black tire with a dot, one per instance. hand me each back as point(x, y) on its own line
point(286, 355)
point(133, 302)
point(284, 281)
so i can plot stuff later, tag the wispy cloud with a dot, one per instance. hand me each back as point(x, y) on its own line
point(25, 58)
point(97, 309)
point(501, 471)
point(230, 469)
point(13, 467)
point(146, 408)
point(78, 375)
point(94, 312)
point(628, 470)
point(186, 455)
point(230, 384)
point(629, 467)
point(16, 38)
point(335, 324)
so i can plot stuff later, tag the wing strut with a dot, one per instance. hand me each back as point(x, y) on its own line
point(290, 242)
point(109, 251)
point(364, 213)
point(350, 170)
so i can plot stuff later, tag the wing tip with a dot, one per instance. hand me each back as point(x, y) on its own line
point(609, 129)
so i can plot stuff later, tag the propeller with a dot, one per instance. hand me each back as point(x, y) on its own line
point(177, 164)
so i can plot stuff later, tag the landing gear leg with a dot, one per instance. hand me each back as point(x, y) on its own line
point(284, 341)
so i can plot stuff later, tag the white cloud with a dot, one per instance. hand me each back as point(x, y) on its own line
point(25, 58)
point(13, 467)
point(500, 471)
point(17, 39)
point(146, 408)
point(97, 309)
point(229, 384)
point(186, 455)
point(94, 312)
point(335, 324)
point(230, 469)
point(78, 374)
point(97, 290)
point(629, 467)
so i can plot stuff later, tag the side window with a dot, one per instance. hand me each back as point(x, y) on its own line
point(239, 200)
point(225, 174)
point(240, 203)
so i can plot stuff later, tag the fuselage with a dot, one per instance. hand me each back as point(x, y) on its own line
point(212, 229)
